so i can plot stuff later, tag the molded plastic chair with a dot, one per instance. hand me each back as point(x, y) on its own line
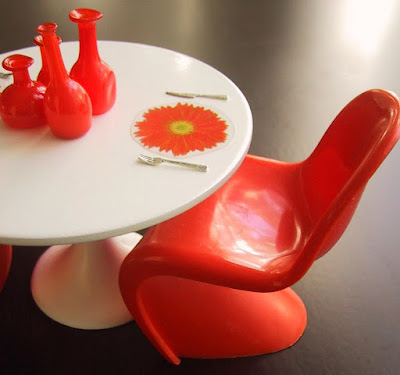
point(5, 263)
point(213, 281)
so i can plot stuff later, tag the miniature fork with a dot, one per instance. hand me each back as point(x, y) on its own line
point(156, 161)
point(191, 96)
point(4, 75)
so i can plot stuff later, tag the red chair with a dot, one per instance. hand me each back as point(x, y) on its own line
point(5, 263)
point(213, 281)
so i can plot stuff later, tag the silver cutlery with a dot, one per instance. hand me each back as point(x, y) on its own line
point(191, 95)
point(157, 161)
point(4, 75)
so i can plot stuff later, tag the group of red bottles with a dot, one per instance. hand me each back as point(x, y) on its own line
point(66, 102)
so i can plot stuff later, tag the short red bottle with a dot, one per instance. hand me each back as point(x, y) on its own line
point(21, 103)
point(67, 105)
point(44, 75)
point(90, 71)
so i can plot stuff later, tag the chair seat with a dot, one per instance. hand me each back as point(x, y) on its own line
point(257, 215)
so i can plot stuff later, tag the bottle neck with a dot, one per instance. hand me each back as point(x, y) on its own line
point(44, 57)
point(88, 50)
point(22, 78)
point(54, 58)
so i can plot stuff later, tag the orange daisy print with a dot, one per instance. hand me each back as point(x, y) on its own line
point(181, 129)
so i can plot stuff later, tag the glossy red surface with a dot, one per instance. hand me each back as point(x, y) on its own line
point(90, 71)
point(67, 105)
point(21, 103)
point(208, 271)
point(5, 263)
point(44, 75)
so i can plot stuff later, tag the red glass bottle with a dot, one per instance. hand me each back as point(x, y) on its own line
point(90, 71)
point(21, 103)
point(44, 75)
point(67, 105)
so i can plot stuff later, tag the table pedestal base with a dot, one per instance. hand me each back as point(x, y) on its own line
point(77, 285)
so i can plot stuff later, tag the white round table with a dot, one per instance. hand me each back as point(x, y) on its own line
point(88, 195)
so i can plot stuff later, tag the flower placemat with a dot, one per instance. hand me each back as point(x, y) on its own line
point(181, 129)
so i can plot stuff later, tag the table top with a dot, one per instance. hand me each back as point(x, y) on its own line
point(56, 191)
point(298, 64)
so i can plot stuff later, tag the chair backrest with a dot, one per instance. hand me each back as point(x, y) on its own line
point(349, 153)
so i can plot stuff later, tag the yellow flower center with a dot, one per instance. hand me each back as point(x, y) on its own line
point(181, 127)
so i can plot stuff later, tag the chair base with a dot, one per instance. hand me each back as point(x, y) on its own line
point(200, 320)
point(77, 285)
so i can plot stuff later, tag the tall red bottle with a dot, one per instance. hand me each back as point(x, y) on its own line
point(90, 71)
point(67, 105)
point(21, 103)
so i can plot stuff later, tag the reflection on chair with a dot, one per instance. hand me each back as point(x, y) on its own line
point(214, 281)
point(5, 263)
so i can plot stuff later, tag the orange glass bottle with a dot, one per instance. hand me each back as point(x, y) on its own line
point(90, 71)
point(67, 105)
point(21, 103)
